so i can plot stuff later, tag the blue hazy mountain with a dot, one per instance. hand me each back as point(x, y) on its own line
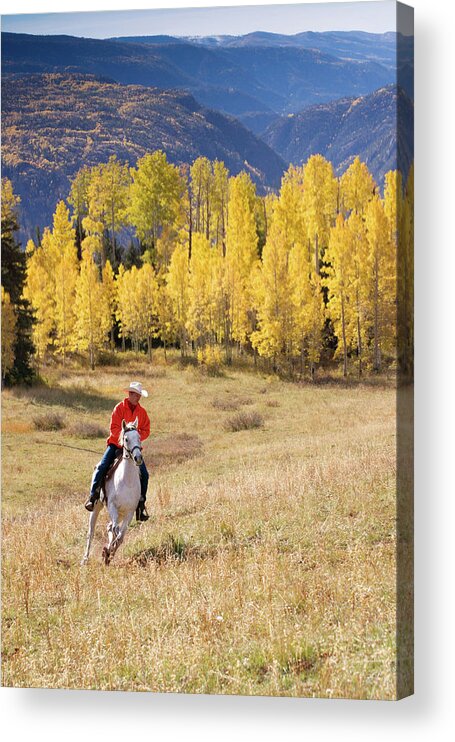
point(340, 130)
point(242, 79)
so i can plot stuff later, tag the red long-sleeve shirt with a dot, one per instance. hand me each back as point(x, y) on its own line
point(125, 411)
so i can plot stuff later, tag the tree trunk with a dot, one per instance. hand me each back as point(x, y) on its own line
point(345, 350)
point(359, 343)
point(113, 234)
point(359, 333)
point(377, 358)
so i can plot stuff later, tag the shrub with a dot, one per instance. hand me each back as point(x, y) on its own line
point(244, 421)
point(231, 403)
point(49, 421)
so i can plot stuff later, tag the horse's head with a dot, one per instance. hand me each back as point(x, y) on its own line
point(131, 441)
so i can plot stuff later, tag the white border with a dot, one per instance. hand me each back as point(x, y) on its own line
point(77, 715)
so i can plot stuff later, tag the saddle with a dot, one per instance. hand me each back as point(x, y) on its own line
point(109, 474)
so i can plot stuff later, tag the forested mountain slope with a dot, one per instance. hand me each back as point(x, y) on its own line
point(342, 129)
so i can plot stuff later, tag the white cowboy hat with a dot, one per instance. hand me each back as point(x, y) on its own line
point(136, 386)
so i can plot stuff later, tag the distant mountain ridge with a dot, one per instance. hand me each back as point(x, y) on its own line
point(52, 124)
point(359, 45)
point(342, 129)
point(241, 79)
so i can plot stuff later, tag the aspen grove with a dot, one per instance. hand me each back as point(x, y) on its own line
point(191, 258)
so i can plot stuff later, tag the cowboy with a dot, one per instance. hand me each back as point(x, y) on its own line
point(128, 410)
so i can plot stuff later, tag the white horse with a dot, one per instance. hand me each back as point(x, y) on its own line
point(122, 494)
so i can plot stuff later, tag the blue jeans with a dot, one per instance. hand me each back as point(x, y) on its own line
point(110, 454)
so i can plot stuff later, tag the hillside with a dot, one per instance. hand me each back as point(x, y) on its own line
point(53, 124)
point(342, 129)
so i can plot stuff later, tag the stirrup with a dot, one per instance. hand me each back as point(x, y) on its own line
point(90, 503)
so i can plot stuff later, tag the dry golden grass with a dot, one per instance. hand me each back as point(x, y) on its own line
point(267, 567)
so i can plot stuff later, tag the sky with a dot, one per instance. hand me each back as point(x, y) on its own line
point(375, 17)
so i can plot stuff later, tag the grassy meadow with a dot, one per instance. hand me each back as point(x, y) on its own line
point(267, 566)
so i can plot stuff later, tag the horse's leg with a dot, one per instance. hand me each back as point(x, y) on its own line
point(91, 529)
point(121, 533)
point(112, 531)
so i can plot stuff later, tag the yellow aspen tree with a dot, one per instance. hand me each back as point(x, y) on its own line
point(314, 322)
point(107, 194)
point(276, 333)
point(167, 326)
point(156, 198)
point(220, 198)
point(339, 282)
point(308, 301)
point(306, 220)
point(320, 191)
point(200, 291)
point(8, 333)
point(78, 199)
point(131, 322)
point(357, 327)
point(165, 246)
point(399, 218)
point(273, 300)
point(95, 229)
point(109, 295)
point(288, 210)
point(122, 302)
point(63, 248)
point(201, 172)
point(39, 291)
point(393, 201)
point(93, 313)
point(218, 295)
point(381, 282)
point(177, 287)
point(146, 299)
point(241, 255)
point(357, 187)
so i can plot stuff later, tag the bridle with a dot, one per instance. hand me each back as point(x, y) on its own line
point(129, 451)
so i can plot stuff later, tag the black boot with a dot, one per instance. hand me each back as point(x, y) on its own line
point(141, 511)
point(91, 502)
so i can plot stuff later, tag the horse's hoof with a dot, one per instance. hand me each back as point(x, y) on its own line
point(106, 555)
